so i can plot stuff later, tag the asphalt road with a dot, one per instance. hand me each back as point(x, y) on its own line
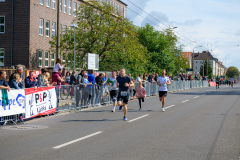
point(198, 124)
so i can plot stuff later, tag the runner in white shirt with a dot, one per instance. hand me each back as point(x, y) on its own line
point(163, 81)
point(232, 81)
point(112, 82)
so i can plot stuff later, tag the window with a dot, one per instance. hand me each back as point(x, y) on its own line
point(2, 56)
point(52, 59)
point(119, 8)
point(40, 58)
point(47, 28)
point(75, 9)
point(47, 3)
point(41, 27)
point(124, 12)
point(2, 24)
point(53, 29)
point(53, 4)
point(41, 2)
point(46, 59)
point(70, 7)
point(65, 6)
point(64, 30)
point(2, 0)
point(60, 5)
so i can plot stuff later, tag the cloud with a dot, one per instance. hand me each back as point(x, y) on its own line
point(140, 3)
point(187, 22)
point(238, 33)
point(161, 17)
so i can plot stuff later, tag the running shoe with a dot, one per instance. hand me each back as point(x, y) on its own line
point(120, 107)
point(163, 110)
point(125, 118)
point(113, 110)
point(140, 109)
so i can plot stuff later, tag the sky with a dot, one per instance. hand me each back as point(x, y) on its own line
point(214, 24)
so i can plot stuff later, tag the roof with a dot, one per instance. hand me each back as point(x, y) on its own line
point(204, 55)
point(122, 2)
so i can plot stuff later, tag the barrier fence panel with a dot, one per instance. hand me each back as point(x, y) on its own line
point(73, 97)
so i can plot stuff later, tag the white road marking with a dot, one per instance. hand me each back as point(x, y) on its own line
point(184, 101)
point(169, 107)
point(196, 97)
point(138, 118)
point(76, 140)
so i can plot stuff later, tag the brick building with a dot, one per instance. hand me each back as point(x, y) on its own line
point(26, 27)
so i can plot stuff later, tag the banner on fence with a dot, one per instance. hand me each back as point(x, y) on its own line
point(40, 102)
point(16, 103)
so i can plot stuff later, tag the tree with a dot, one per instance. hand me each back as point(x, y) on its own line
point(162, 50)
point(232, 72)
point(207, 68)
point(102, 30)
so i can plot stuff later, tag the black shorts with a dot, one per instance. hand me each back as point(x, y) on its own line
point(124, 99)
point(162, 93)
point(113, 93)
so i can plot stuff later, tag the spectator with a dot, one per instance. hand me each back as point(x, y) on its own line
point(91, 79)
point(149, 78)
point(67, 77)
point(57, 66)
point(3, 83)
point(144, 75)
point(57, 78)
point(73, 78)
point(86, 94)
point(31, 81)
point(117, 73)
point(46, 80)
point(129, 75)
point(15, 83)
point(105, 78)
point(139, 78)
point(41, 81)
point(99, 88)
point(156, 77)
point(19, 71)
point(81, 84)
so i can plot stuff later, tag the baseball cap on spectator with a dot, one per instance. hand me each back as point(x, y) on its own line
point(86, 74)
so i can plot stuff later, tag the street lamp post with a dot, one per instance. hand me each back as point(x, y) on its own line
point(75, 26)
point(193, 58)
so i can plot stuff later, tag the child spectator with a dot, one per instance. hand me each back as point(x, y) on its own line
point(141, 94)
point(15, 83)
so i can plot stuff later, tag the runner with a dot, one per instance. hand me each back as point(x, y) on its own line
point(123, 83)
point(232, 81)
point(229, 81)
point(112, 82)
point(163, 81)
point(217, 82)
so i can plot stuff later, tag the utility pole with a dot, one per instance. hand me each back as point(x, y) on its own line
point(58, 30)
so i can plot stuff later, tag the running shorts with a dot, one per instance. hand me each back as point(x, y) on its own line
point(124, 99)
point(162, 93)
point(113, 95)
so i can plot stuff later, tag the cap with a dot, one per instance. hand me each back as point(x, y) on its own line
point(86, 74)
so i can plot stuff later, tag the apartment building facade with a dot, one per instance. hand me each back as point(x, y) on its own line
point(26, 27)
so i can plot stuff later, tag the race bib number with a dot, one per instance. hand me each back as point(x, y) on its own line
point(123, 93)
point(163, 84)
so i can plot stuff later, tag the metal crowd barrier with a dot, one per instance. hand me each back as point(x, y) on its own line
point(76, 97)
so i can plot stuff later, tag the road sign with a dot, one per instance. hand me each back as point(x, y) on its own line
point(93, 61)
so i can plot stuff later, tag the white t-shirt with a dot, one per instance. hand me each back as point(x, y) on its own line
point(139, 79)
point(232, 79)
point(163, 81)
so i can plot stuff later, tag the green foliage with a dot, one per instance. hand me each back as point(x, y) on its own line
point(207, 68)
point(163, 50)
point(101, 30)
point(232, 72)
